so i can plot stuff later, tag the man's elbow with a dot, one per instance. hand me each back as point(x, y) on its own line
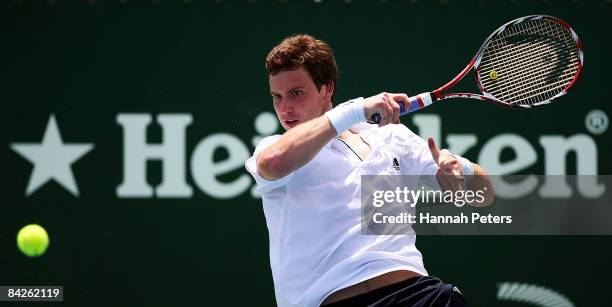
point(272, 166)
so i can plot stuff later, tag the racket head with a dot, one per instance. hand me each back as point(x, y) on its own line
point(528, 62)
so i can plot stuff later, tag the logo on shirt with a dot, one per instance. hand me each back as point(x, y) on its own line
point(396, 164)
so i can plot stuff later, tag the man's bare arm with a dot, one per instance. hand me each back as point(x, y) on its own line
point(450, 175)
point(301, 144)
point(295, 148)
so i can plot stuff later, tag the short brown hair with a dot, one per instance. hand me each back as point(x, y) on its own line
point(304, 50)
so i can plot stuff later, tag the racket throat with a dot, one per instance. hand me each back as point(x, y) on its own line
point(454, 81)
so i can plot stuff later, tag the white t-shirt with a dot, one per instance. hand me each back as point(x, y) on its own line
point(314, 216)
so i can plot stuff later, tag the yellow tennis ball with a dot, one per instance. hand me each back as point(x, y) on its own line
point(493, 75)
point(32, 240)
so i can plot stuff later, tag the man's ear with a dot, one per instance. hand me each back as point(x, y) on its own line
point(328, 90)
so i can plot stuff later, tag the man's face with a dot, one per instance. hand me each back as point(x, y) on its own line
point(296, 98)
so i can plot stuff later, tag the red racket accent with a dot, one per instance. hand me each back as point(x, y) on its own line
point(436, 93)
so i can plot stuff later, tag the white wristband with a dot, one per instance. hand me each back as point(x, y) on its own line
point(344, 116)
point(468, 170)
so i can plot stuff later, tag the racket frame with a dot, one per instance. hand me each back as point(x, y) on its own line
point(416, 102)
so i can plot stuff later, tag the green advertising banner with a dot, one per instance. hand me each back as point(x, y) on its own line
point(127, 125)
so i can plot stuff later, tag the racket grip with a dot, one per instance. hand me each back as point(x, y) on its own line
point(414, 103)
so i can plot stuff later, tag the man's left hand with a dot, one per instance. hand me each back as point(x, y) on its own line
point(450, 174)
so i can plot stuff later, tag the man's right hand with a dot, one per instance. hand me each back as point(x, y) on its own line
point(387, 105)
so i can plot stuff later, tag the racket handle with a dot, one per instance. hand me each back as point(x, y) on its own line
point(414, 103)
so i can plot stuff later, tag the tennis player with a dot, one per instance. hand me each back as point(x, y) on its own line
point(309, 179)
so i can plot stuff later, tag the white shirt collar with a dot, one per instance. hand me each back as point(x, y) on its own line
point(358, 128)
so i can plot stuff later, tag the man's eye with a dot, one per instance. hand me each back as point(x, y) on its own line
point(297, 92)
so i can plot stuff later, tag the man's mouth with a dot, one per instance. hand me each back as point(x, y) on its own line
point(291, 122)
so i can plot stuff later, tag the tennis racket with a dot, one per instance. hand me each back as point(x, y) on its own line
point(525, 63)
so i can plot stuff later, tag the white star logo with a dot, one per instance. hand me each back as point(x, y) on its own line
point(51, 159)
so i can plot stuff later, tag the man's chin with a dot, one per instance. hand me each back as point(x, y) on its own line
point(289, 125)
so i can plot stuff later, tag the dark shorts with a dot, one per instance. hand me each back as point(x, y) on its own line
point(416, 291)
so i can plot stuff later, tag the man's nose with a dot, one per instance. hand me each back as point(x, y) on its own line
point(286, 108)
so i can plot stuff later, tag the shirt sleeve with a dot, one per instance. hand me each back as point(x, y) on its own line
point(419, 151)
point(265, 185)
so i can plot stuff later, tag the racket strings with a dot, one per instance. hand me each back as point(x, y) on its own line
point(516, 75)
point(533, 60)
point(527, 69)
point(535, 83)
point(537, 46)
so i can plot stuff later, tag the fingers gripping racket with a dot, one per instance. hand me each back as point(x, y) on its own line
point(525, 63)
